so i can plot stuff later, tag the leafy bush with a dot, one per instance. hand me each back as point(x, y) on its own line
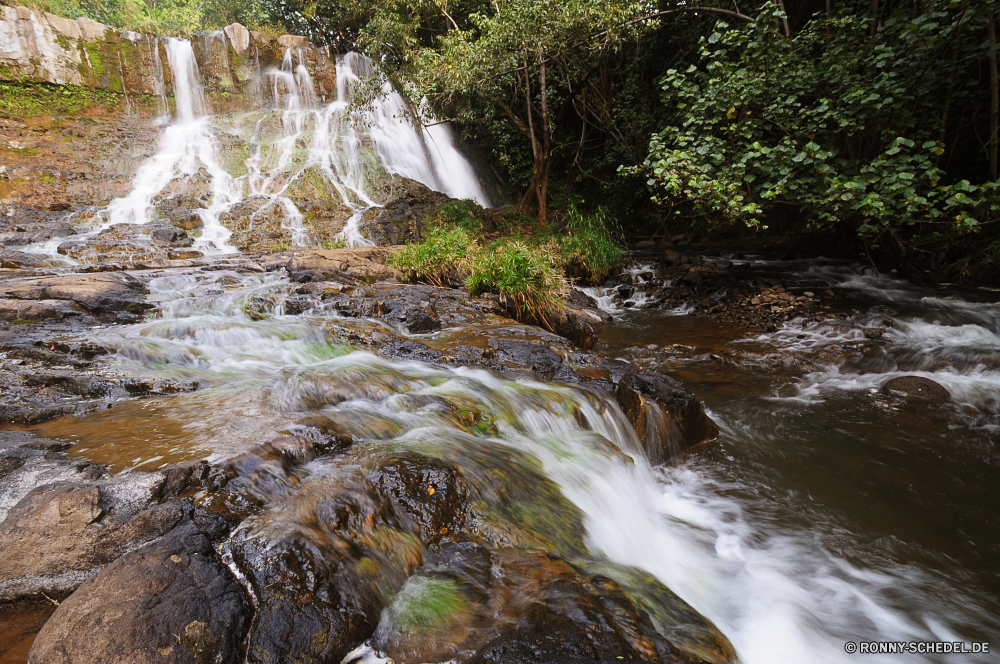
point(528, 278)
point(441, 256)
point(841, 122)
point(590, 246)
point(465, 214)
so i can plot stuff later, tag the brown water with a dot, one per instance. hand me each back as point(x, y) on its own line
point(18, 628)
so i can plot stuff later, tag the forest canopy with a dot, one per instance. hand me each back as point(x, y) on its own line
point(875, 118)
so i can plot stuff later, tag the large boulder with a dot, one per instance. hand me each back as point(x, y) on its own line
point(401, 220)
point(97, 293)
point(916, 389)
point(668, 419)
point(62, 520)
point(170, 602)
point(56, 538)
point(365, 264)
point(321, 589)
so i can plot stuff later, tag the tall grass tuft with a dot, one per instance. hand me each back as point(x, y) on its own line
point(441, 257)
point(591, 247)
point(528, 278)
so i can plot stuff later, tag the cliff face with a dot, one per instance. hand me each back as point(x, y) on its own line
point(39, 47)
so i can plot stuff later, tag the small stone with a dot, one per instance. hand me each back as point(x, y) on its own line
point(809, 294)
point(175, 558)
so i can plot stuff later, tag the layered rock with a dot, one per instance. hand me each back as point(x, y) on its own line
point(45, 48)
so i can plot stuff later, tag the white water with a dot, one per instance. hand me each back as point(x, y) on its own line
point(350, 151)
point(780, 593)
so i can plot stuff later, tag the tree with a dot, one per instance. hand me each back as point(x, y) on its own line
point(854, 119)
point(518, 60)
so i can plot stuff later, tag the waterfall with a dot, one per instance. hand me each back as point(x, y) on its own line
point(351, 151)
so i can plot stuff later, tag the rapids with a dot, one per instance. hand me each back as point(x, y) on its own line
point(823, 514)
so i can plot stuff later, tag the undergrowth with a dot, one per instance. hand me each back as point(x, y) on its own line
point(25, 100)
point(504, 252)
point(527, 277)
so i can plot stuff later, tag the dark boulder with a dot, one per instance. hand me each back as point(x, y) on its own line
point(401, 220)
point(524, 354)
point(667, 418)
point(427, 494)
point(916, 389)
point(171, 601)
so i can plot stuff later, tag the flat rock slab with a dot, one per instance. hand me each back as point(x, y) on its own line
point(170, 602)
point(35, 310)
point(96, 293)
point(362, 264)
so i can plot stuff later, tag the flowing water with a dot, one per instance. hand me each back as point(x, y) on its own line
point(823, 514)
point(351, 150)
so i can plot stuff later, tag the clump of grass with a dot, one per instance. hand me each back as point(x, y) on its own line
point(590, 247)
point(334, 243)
point(528, 278)
point(442, 256)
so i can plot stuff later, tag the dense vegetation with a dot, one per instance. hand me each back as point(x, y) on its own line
point(872, 123)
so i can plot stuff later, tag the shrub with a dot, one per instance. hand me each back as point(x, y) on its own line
point(590, 247)
point(465, 214)
point(528, 278)
point(442, 255)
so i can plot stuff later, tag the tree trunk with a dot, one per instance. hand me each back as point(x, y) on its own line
point(994, 101)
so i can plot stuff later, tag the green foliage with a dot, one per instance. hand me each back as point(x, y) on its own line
point(527, 276)
point(443, 254)
point(591, 245)
point(161, 17)
point(842, 123)
point(465, 214)
point(25, 100)
point(335, 243)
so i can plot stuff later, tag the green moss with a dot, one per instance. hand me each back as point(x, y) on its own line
point(25, 100)
point(96, 58)
point(427, 604)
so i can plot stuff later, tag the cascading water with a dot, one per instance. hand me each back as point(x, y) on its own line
point(351, 152)
point(786, 573)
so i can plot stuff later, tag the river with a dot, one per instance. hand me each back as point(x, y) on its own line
point(824, 513)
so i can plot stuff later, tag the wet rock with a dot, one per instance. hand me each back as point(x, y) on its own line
point(367, 264)
point(581, 326)
point(429, 492)
point(569, 617)
point(667, 418)
point(101, 293)
point(672, 257)
point(419, 320)
point(168, 234)
point(916, 389)
point(28, 310)
point(410, 350)
point(58, 536)
point(19, 259)
point(170, 601)
point(523, 354)
point(401, 220)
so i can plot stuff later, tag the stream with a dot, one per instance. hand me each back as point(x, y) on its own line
point(822, 514)
point(825, 513)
